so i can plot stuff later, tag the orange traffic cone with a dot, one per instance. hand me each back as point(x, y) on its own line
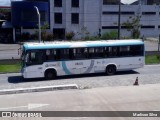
point(136, 82)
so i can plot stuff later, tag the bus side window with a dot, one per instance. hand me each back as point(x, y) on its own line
point(50, 55)
point(101, 52)
point(105, 52)
point(114, 51)
point(137, 50)
point(86, 53)
point(79, 53)
point(98, 52)
point(109, 51)
point(40, 57)
point(91, 52)
point(57, 54)
point(71, 54)
point(62, 54)
point(124, 51)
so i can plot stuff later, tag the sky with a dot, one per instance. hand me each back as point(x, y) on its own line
point(4, 2)
point(7, 2)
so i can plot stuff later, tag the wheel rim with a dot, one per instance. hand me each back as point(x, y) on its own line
point(110, 70)
point(49, 75)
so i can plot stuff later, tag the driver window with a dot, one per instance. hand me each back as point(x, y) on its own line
point(34, 58)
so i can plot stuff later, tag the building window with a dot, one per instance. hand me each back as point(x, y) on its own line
point(57, 3)
point(26, 16)
point(75, 3)
point(110, 13)
point(147, 26)
point(116, 13)
point(109, 27)
point(152, 2)
point(148, 13)
point(58, 18)
point(110, 2)
point(75, 18)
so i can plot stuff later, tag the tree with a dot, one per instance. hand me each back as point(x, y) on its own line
point(45, 35)
point(133, 25)
point(44, 27)
point(84, 32)
point(5, 14)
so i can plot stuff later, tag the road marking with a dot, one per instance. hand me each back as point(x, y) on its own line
point(29, 106)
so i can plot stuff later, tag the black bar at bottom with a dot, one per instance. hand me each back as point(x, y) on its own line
point(79, 113)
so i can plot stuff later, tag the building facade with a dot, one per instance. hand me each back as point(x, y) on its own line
point(25, 18)
point(99, 16)
point(95, 17)
point(75, 15)
point(6, 33)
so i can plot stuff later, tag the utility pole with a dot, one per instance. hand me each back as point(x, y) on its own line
point(159, 43)
point(39, 23)
point(119, 21)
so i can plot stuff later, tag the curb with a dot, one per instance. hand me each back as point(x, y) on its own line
point(38, 89)
point(9, 72)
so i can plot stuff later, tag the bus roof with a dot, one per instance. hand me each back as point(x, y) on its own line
point(78, 44)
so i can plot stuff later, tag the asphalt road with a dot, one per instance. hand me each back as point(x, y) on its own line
point(150, 74)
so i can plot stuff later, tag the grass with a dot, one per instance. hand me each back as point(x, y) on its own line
point(10, 68)
point(152, 59)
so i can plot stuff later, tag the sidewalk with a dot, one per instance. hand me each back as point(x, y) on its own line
point(4, 47)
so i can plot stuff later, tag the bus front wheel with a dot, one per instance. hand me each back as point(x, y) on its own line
point(111, 70)
point(50, 74)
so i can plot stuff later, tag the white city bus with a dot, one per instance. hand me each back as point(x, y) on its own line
point(82, 57)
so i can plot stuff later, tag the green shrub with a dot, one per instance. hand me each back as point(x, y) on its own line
point(110, 35)
point(49, 37)
point(70, 35)
point(91, 38)
point(158, 57)
point(136, 34)
point(25, 36)
point(34, 36)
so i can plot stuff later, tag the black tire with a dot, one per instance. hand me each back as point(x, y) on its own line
point(111, 70)
point(50, 74)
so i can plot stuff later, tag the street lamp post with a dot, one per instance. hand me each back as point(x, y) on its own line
point(119, 21)
point(39, 23)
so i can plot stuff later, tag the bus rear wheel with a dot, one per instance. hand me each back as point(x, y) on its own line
point(50, 74)
point(111, 70)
